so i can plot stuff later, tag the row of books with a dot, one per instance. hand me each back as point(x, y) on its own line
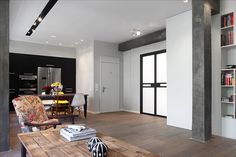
point(227, 79)
point(227, 38)
point(72, 134)
point(227, 20)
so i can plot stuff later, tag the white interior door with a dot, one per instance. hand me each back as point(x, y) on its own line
point(109, 100)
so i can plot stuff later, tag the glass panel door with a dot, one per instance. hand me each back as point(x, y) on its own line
point(161, 94)
point(148, 77)
point(153, 83)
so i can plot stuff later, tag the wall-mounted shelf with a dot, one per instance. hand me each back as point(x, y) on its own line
point(227, 27)
point(224, 102)
point(227, 69)
point(227, 86)
point(228, 46)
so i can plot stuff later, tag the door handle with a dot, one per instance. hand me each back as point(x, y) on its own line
point(103, 89)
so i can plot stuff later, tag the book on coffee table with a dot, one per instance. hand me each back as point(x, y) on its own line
point(72, 134)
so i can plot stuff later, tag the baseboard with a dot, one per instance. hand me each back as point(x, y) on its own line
point(130, 111)
point(92, 112)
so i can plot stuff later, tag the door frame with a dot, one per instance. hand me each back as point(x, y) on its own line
point(141, 82)
point(106, 59)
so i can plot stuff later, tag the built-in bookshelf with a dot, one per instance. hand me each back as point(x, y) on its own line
point(228, 74)
point(227, 29)
point(228, 92)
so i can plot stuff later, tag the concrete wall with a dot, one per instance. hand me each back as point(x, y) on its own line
point(4, 75)
point(41, 49)
point(104, 49)
point(131, 75)
point(85, 72)
point(179, 70)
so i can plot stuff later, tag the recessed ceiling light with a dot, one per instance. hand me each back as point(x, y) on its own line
point(138, 33)
point(135, 32)
point(82, 40)
point(60, 44)
point(53, 36)
point(46, 42)
point(76, 43)
point(185, 1)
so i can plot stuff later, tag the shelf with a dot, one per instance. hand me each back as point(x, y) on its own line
point(228, 46)
point(227, 102)
point(227, 27)
point(228, 116)
point(227, 86)
point(228, 69)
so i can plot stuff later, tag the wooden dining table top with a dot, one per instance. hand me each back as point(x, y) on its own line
point(50, 143)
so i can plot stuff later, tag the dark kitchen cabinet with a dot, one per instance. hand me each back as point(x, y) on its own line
point(24, 64)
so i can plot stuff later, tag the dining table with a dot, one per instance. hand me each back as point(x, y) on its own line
point(59, 102)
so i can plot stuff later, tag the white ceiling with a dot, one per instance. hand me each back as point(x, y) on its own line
point(105, 20)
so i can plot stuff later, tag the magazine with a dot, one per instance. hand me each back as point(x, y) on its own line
point(77, 137)
point(73, 132)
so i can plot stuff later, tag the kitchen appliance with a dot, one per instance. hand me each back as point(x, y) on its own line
point(46, 76)
point(27, 84)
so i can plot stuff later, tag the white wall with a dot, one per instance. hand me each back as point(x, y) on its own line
point(109, 50)
point(179, 70)
point(131, 78)
point(41, 49)
point(216, 73)
point(85, 72)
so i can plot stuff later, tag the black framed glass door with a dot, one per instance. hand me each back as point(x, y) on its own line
point(153, 83)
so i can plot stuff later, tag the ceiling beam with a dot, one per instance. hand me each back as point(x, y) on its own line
point(143, 40)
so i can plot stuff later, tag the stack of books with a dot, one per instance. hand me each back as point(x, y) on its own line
point(73, 134)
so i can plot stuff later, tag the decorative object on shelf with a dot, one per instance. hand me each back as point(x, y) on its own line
point(56, 88)
point(47, 89)
point(230, 66)
point(92, 142)
point(100, 150)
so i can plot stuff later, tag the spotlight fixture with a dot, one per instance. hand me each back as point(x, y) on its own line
point(185, 1)
point(81, 40)
point(40, 19)
point(41, 16)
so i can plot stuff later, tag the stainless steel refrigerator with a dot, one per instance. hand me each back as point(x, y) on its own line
point(47, 76)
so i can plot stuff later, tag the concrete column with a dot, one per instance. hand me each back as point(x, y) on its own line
point(4, 75)
point(201, 125)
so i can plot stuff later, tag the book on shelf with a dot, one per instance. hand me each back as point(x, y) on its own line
point(227, 79)
point(227, 20)
point(227, 38)
point(72, 134)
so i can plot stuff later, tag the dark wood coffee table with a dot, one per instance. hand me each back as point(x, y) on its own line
point(49, 143)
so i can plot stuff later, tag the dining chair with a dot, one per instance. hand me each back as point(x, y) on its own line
point(78, 102)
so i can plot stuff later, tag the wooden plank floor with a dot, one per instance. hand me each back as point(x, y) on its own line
point(145, 131)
